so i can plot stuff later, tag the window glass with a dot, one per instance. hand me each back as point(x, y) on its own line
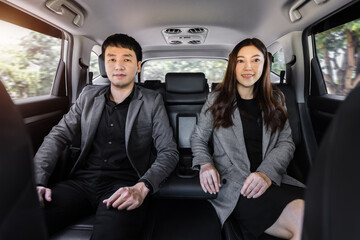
point(279, 62)
point(28, 61)
point(214, 70)
point(338, 52)
point(94, 64)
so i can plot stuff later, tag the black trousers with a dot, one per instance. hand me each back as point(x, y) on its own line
point(75, 199)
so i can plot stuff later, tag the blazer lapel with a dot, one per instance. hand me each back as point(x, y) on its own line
point(239, 141)
point(266, 138)
point(95, 115)
point(133, 111)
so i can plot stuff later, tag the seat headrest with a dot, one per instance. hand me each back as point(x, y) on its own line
point(102, 66)
point(185, 88)
point(185, 82)
point(152, 84)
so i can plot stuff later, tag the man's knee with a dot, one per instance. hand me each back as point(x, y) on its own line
point(119, 224)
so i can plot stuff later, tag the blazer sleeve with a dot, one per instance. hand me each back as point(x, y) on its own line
point(54, 143)
point(167, 153)
point(277, 159)
point(201, 136)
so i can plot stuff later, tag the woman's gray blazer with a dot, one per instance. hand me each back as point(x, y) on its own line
point(231, 160)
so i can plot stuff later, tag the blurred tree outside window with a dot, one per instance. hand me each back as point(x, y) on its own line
point(28, 61)
point(338, 51)
point(214, 70)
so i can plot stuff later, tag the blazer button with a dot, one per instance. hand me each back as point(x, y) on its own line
point(224, 181)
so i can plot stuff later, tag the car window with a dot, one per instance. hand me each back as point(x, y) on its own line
point(338, 52)
point(279, 62)
point(214, 70)
point(94, 64)
point(28, 60)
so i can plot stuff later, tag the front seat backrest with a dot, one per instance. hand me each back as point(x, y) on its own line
point(332, 198)
point(20, 213)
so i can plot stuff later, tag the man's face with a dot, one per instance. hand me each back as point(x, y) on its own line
point(121, 66)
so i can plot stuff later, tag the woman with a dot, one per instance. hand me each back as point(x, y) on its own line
point(248, 123)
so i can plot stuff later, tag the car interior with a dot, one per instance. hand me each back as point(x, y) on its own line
point(51, 49)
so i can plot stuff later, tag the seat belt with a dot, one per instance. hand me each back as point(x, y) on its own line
point(282, 76)
point(288, 69)
point(83, 78)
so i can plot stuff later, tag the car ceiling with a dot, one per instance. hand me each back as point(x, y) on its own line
point(227, 22)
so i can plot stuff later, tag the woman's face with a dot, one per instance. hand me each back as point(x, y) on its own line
point(249, 67)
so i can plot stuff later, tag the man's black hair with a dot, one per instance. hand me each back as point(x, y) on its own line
point(124, 41)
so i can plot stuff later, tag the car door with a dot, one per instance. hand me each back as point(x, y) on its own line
point(333, 68)
point(33, 70)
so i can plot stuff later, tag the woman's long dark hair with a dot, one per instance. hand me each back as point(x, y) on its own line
point(224, 105)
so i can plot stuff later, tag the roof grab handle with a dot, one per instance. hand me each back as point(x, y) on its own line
point(318, 2)
point(294, 13)
point(59, 6)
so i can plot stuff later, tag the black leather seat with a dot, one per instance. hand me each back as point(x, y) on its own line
point(184, 97)
point(332, 198)
point(103, 79)
point(185, 94)
point(181, 210)
point(20, 213)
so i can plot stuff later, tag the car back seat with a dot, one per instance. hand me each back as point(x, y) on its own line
point(298, 167)
point(180, 209)
point(156, 85)
point(183, 109)
point(185, 95)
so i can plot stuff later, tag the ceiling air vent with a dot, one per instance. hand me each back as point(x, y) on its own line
point(173, 31)
point(196, 30)
point(185, 35)
point(194, 42)
point(174, 42)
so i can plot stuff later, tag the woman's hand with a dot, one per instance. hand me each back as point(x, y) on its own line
point(209, 178)
point(255, 185)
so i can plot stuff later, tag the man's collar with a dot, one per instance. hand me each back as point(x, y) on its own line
point(127, 100)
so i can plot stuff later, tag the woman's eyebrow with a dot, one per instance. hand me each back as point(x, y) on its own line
point(256, 55)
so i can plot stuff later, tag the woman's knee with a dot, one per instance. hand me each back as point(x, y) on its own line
point(296, 209)
point(294, 217)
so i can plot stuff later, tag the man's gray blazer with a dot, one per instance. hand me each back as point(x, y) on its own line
point(146, 123)
point(231, 160)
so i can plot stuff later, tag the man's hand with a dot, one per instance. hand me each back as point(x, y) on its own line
point(209, 178)
point(43, 193)
point(255, 185)
point(128, 198)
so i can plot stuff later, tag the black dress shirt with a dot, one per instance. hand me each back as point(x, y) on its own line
point(107, 160)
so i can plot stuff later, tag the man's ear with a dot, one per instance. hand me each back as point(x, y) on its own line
point(139, 66)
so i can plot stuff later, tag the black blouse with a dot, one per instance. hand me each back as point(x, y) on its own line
point(251, 118)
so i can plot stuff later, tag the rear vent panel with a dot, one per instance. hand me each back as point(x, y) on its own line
point(194, 42)
point(174, 42)
point(186, 36)
point(196, 30)
point(173, 31)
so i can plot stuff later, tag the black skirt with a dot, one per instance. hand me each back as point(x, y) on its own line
point(253, 216)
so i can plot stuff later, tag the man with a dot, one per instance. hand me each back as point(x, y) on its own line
point(116, 169)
